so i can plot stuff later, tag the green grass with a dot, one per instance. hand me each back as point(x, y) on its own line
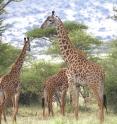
point(33, 115)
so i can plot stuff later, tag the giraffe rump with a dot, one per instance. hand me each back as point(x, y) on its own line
point(43, 102)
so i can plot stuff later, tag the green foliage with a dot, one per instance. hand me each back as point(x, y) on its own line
point(113, 52)
point(110, 65)
point(76, 34)
point(82, 40)
point(54, 48)
point(38, 33)
point(34, 77)
point(49, 32)
point(33, 115)
point(8, 55)
point(72, 25)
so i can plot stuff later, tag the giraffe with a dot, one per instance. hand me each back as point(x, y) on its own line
point(54, 85)
point(10, 83)
point(81, 71)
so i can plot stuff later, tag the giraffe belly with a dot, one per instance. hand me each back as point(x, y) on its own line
point(80, 81)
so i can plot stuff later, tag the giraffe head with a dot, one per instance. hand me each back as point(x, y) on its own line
point(27, 43)
point(51, 21)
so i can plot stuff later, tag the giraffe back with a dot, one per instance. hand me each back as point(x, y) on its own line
point(57, 82)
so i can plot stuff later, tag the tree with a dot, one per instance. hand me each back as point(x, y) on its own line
point(76, 33)
point(114, 16)
point(8, 55)
point(110, 64)
point(3, 4)
point(32, 79)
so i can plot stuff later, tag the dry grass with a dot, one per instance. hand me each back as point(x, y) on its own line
point(33, 115)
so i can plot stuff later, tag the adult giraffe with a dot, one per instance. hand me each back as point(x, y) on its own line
point(10, 83)
point(81, 71)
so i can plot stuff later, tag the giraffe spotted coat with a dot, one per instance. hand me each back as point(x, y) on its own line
point(81, 71)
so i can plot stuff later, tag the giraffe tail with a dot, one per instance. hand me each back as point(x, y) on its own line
point(105, 102)
point(43, 102)
point(43, 105)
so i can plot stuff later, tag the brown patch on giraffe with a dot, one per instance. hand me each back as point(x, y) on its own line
point(65, 47)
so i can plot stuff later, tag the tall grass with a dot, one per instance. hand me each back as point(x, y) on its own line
point(33, 115)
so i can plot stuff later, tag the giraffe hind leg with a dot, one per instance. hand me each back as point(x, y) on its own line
point(99, 96)
point(75, 98)
point(50, 107)
point(63, 102)
point(4, 115)
point(16, 100)
point(2, 105)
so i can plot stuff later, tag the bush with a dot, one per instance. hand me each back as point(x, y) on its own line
point(110, 65)
point(33, 78)
point(8, 54)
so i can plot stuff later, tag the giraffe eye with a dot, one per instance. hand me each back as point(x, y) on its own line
point(50, 20)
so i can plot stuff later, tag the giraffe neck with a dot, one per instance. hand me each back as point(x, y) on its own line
point(66, 47)
point(16, 68)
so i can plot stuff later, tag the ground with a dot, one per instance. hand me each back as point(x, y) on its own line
point(33, 115)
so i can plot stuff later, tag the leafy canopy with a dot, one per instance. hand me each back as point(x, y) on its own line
point(76, 33)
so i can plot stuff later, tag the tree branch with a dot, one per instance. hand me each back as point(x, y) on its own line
point(4, 5)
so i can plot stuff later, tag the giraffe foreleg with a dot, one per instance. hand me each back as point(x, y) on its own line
point(74, 90)
point(50, 107)
point(16, 105)
point(63, 102)
point(4, 115)
point(98, 92)
point(13, 102)
point(0, 114)
point(2, 105)
point(75, 97)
